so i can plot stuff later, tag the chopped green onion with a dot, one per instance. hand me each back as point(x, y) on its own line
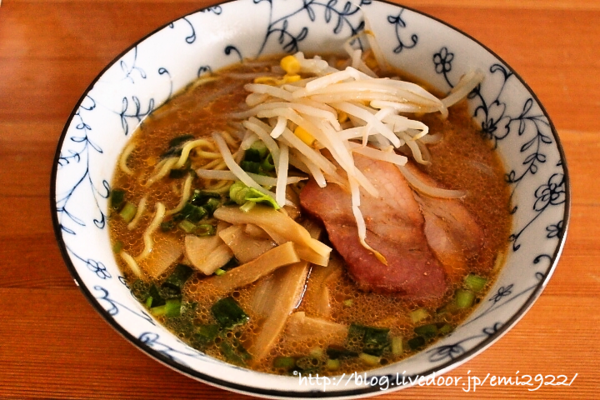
point(173, 308)
point(169, 293)
point(140, 290)
point(191, 213)
point(284, 362)
point(242, 350)
point(167, 226)
point(171, 152)
point(308, 364)
point(251, 166)
point(427, 331)
point(397, 345)
point(179, 140)
point(205, 230)
point(176, 145)
point(260, 147)
point(447, 308)
point(242, 194)
point(178, 173)
point(181, 325)
point(211, 205)
point(252, 155)
point(204, 335)
point(158, 310)
point(187, 226)
point(189, 308)
point(148, 302)
point(369, 359)
point(267, 164)
point(237, 192)
point(157, 299)
point(220, 272)
point(419, 315)
point(475, 282)
point(356, 334)
point(128, 212)
point(446, 329)
point(348, 303)
point(117, 247)
point(369, 339)
point(259, 197)
point(416, 342)
point(235, 353)
point(117, 198)
point(178, 277)
point(230, 354)
point(376, 340)
point(249, 205)
point(257, 159)
point(317, 352)
point(335, 353)
point(228, 313)
point(464, 298)
point(333, 365)
point(201, 197)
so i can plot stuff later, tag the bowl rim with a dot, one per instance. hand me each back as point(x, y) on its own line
point(271, 393)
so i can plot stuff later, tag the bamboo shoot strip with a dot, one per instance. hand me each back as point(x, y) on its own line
point(305, 253)
point(308, 254)
point(301, 327)
point(207, 254)
point(289, 283)
point(167, 250)
point(245, 248)
point(256, 269)
point(316, 299)
point(287, 288)
point(261, 303)
point(273, 220)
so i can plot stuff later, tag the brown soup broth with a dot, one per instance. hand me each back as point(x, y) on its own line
point(462, 160)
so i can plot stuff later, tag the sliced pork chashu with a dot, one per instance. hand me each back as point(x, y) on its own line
point(395, 227)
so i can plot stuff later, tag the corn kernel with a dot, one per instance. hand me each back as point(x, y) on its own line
point(267, 80)
point(304, 135)
point(289, 78)
point(290, 64)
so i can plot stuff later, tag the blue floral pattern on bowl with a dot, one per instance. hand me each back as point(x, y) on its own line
point(154, 69)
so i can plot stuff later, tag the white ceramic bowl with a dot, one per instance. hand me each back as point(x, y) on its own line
point(152, 70)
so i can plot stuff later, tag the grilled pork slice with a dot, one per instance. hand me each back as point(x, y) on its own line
point(453, 233)
point(395, 228)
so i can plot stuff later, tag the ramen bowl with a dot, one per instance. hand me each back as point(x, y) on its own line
point(152, 70)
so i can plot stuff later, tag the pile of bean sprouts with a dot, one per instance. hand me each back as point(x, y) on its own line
point(316, 117)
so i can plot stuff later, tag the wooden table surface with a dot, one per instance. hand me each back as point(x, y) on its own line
point(54, 345)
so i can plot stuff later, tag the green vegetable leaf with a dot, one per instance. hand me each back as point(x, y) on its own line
point(117, 199)
point(241, 194)
point(228, 313)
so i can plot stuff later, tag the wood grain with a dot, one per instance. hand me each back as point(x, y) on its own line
point(54, 345)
